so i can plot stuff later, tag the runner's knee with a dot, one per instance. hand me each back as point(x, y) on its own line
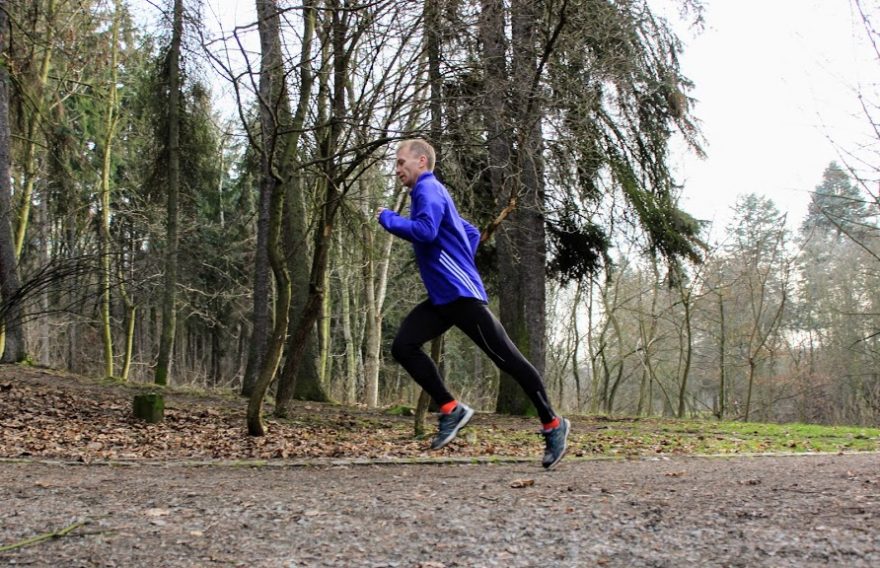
point(401, 349)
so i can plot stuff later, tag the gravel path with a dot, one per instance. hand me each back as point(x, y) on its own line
point(765, 511)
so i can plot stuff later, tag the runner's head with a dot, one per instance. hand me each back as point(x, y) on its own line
point(414, 157)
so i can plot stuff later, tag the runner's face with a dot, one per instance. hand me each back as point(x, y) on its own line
point(409, 167)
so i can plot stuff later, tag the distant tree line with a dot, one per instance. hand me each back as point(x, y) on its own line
point(774, 325)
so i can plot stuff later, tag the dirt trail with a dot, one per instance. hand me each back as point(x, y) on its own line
point(762, 511)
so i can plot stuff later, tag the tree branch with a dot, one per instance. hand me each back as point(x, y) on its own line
point(493, 226)
point(45, 536)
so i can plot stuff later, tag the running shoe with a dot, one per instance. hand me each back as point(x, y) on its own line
point(450, 424)
point(556, 444)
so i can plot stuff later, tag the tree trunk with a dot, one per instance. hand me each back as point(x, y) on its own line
point(491, 28)
point(350, 367)
point(44, 324)
point(325, 335)
point(575, 362)
point(722, 391)
point(260, 316)
point(331, 198)
point(373, 324)
point(424, 403)
point(169, 298)
point(11, 313)
point(304, 383)
point(433, 43)
point(282, 307)
point(130, 320)
point(647, 337)
point(376, 277)
point(521, 242)
point(33, 126)
point(301, 380)
point(419, 422)
point(753, 365)
point(271, 93)
point(104, 232)
point(594, 350)
point(758, 340)
point(610, 387)
point(687, 349)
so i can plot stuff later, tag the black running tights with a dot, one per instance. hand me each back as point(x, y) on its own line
point(427, 321)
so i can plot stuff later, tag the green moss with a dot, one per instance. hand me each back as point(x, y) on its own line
point(248, 463)
point(111, 381)
point(401, 410)
point(149, 407)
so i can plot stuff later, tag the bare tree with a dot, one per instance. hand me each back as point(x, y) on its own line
point(10, 285)
point(36, 98)
point(272, 94)
point(169, 298)
point(758, 269)
point(111, 119)
point(340, 159)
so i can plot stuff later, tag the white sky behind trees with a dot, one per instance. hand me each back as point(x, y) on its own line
point(776, 84)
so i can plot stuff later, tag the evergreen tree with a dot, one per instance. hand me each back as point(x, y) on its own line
point(757, 266)
point(836, 206)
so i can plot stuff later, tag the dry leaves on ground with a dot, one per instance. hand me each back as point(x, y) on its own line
point(47, 415)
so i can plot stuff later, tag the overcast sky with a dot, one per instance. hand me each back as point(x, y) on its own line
point(776, 84)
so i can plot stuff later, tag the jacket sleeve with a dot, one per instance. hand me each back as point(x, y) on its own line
point(473, 235)
point(423, 224)
point(390, 221)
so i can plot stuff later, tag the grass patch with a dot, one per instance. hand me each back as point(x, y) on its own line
point(705, 437)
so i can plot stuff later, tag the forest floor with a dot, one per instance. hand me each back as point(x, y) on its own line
point(82, 483)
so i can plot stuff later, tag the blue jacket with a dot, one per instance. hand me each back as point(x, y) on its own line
point(444, 243)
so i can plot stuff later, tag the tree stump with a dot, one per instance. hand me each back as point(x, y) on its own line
point(425, 402)
point(421, 413)
point(149, 407)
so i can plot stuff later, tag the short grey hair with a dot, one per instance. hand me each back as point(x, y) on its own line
point(420, 147)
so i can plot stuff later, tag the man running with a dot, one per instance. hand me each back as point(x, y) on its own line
point(444, 246)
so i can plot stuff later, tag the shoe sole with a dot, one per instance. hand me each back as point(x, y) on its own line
point(461, 424)
point(564, 450)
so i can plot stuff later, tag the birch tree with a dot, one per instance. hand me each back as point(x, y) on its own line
point(105, 250)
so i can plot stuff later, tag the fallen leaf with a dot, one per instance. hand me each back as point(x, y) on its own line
point(520, 483)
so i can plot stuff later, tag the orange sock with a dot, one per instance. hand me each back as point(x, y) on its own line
point(448, 407)
point(552, 424)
